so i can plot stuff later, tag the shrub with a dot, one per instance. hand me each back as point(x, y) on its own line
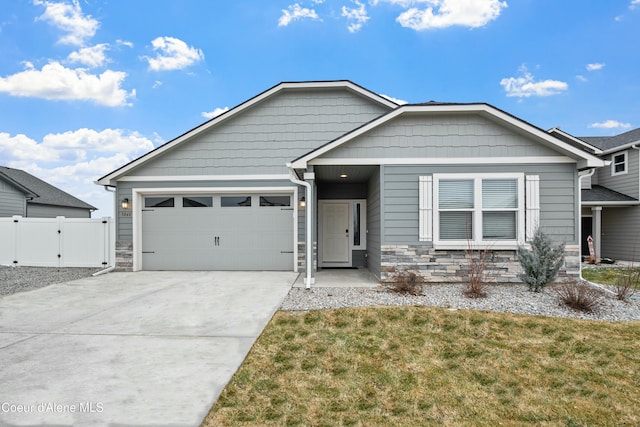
point(627, 283)
point(477, 270)
point(579, 296)
point(541, 264)
point(406, 282)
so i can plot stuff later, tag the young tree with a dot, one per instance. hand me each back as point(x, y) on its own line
point(540, 265)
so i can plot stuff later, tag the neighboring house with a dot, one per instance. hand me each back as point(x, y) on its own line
point(610, 204)
point(368, 182)
point(25, 195)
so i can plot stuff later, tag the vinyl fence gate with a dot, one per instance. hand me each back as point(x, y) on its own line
point(57, 242)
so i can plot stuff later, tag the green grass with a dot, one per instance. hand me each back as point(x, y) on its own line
point(416, 366)
point(606, 275)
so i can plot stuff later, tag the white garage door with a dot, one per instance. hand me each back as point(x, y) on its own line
point(217, 232)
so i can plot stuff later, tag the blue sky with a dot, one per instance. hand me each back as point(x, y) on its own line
point(88, 85)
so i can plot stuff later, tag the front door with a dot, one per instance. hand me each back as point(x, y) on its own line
point(335, 234)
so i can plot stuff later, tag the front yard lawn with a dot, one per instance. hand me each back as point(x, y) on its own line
point(607, 275)
point(416, 366)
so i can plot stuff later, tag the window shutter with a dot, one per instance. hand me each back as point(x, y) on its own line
point(426, 208)
point(532, 201)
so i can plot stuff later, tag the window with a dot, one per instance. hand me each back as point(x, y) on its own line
point(619, 163)
point(235, 201)
point(473, 209)
point(158, 202)
point(275, 200)
point(197, 202)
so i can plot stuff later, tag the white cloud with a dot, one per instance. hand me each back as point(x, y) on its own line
point(93, 56)
point(173, 54)
point(214, 113)
point(73, 160)
point(357, 16)
point(610, 124)
point(634, 4)
point(595, 66)
point(124, 43)
point(55, 81)
point(430, 14)
point(581, 78)
point(69, 18)
point(526, 86)
point(392, 99)
point(156, 84)
point(296, 12)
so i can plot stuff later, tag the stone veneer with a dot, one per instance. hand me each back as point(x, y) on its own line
point(302, 256)
point(124, 256)
point(449, 266)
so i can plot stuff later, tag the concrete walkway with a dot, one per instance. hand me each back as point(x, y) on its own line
point(143, 349)
point(341, 278)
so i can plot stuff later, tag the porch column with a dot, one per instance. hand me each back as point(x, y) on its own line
point(311, 204)
point(596, 229)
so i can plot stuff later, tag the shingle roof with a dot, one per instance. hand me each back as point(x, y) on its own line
point(609, 142)
point(42, 192)
point(600, 194)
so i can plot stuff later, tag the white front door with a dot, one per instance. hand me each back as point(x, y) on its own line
point(335, 234)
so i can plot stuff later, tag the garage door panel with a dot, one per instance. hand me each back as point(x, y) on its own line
point(218, 238)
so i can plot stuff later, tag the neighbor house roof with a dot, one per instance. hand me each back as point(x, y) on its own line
point(42, 192)
point(599, 195)
point(584, 158)
point(110, 178)
point(614, 143)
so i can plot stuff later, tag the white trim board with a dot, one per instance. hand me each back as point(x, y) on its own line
point(445, 161)
point(180, 178)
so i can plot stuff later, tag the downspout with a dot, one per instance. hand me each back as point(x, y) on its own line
point(309, 242)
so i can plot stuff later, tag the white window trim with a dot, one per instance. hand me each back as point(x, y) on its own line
point(476, 242)
point(625, 162)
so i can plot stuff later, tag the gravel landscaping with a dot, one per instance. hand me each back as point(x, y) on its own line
point(21, 279)
point(503, 298)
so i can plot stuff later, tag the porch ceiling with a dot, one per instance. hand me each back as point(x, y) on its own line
point(355, 174)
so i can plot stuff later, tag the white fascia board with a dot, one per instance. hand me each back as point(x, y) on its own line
point(113, 176)
point(170, 178)
point(567, 149)
point(586, 145)
point(611, 204)
point(446, 161)
point(622, 147)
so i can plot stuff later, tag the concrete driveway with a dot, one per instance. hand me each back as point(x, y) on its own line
point(143, 349)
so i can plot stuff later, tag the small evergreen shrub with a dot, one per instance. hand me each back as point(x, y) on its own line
point(579, 296)
point(406, 282)
point(541, 264)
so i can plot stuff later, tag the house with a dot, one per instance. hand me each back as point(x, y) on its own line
point(610, 198)
point(327, 174)
point(25, 195)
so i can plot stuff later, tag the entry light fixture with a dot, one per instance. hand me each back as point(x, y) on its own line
point(124, 204)
point(303, 203)
point(344, 176)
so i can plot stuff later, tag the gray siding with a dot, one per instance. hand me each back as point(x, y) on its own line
point(262, 139)
point(373, 226)
point(443, 136)
point(621, 233)
point(558, 200)
point(627, 183)
point(47, 211)
point(12, 201)
point(124, 223)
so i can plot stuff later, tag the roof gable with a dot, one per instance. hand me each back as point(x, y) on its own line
point(584, 159)
point(112, 177)
point(42, 192)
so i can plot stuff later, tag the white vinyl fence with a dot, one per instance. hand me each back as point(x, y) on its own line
point(57, 242)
